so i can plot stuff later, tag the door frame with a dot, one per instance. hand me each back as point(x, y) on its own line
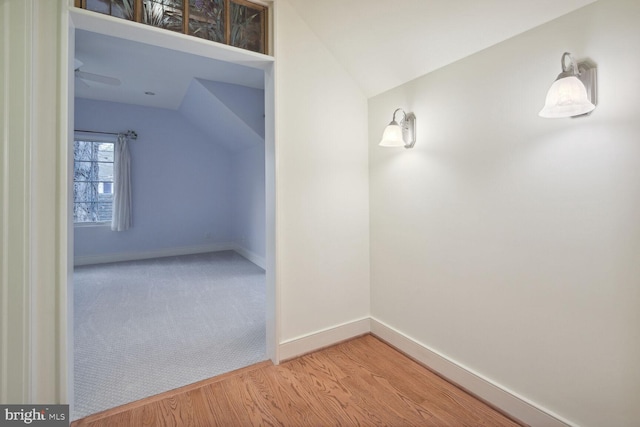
point(75, 19)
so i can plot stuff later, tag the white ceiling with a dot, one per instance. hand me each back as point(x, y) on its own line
point(145, 68)
point(384, 43)
point(381, 43)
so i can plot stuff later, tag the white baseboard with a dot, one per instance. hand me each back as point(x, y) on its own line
point(494, 394)
point(315, 341)
point(158, 253)
point(251, 256)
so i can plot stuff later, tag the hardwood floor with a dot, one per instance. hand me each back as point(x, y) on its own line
point(360, 382)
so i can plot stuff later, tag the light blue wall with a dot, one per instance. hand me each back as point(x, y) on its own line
point(184, 184)
point(245, 102)
point(249, 220)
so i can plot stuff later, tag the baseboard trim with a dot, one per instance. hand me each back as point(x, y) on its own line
point(308, 343)
point(500, 397)
point(251, 256)
point(158, 253)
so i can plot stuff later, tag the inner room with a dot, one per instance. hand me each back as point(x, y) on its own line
point(180, 295)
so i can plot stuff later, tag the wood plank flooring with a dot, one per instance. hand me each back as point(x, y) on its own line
point(362, 382)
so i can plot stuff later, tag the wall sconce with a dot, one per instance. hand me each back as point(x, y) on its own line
point(574, 91)
point(400, 134)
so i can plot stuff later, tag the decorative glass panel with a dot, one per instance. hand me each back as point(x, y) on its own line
point(102, 6)
point(247, 27)
point(117, 8)
point(122, 9)
point(165, 14)
point(206, 19)
point(239, 23)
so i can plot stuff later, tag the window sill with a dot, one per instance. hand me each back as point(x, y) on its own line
point(91, 224)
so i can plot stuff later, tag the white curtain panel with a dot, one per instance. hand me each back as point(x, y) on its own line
point(121, 219)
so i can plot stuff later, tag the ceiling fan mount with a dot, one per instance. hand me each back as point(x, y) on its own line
point(92, 77)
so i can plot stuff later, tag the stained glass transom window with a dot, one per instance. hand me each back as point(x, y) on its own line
point(239, 23)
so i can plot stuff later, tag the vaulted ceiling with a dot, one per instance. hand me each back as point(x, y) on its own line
point(384, 43)
point(381, 43)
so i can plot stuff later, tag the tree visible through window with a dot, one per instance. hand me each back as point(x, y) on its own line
point(92, 181)
point(239, 23)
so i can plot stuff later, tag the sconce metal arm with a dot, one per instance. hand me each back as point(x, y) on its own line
point(408, 125)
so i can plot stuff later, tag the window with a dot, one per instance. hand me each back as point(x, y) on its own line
point(92, 181)
point(239, 23)
point(165, 14)
point(247, 24)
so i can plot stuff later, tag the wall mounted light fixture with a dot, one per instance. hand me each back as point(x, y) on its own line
point(402, 133)
point(574, 91)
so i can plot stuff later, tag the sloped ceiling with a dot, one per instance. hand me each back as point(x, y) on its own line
point(230, 115)
point(381, 43)
point(384, 43)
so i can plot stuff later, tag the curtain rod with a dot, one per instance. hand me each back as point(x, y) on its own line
point(129, 134)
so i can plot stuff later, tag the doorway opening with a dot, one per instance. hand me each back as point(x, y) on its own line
point(230, 179)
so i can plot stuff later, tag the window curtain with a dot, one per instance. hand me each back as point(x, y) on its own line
point(121, 219)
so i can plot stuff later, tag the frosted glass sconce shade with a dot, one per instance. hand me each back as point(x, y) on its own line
point(392, 136)
point(400, 134)
point(574, 91)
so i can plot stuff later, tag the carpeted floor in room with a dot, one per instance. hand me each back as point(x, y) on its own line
point(144, 327)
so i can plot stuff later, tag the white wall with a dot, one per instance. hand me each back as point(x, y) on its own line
point(509, 243)
point(322, 185)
